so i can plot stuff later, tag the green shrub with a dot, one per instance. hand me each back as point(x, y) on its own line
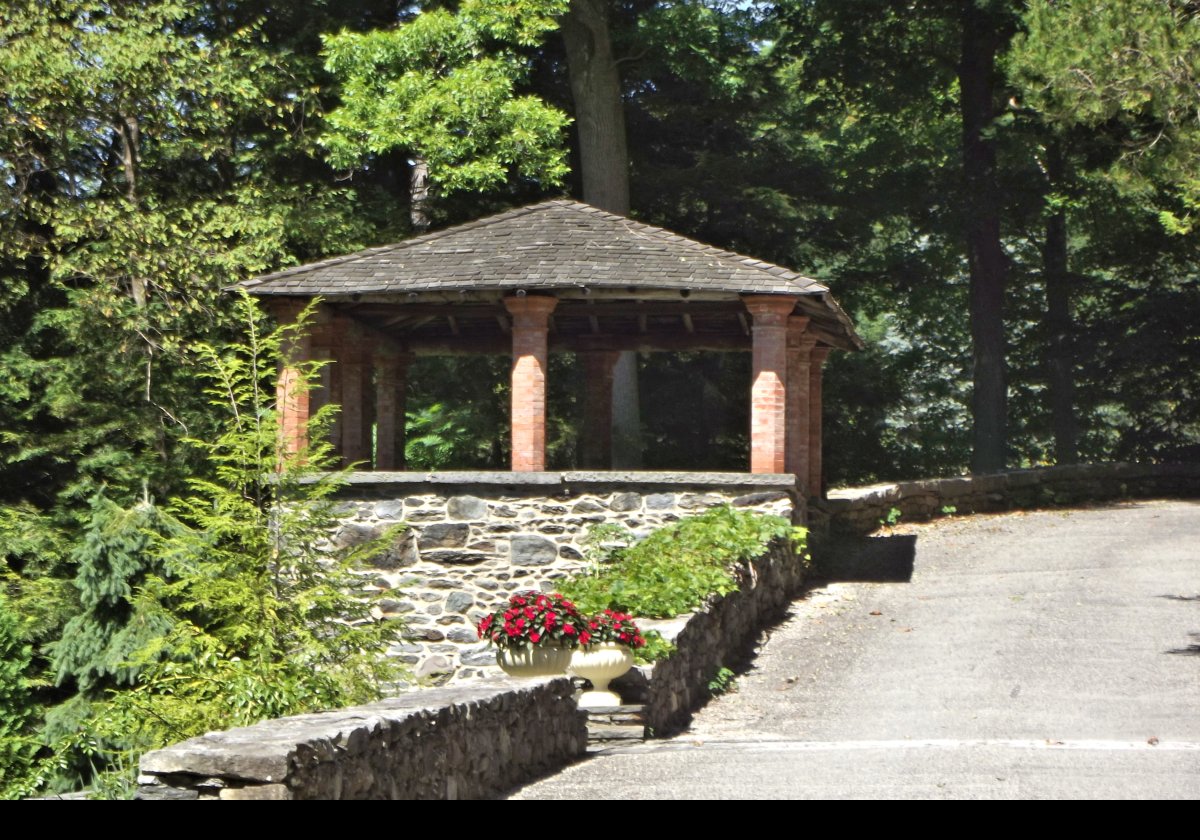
point(676, 568)
point(227, 606)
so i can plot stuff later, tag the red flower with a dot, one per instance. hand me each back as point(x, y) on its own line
point(585, 637)
point(532, 618)
point(569, 629)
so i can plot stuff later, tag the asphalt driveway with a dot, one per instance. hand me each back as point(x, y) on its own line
point(1046, 654)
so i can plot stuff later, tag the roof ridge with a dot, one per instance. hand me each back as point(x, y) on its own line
point(632, 224)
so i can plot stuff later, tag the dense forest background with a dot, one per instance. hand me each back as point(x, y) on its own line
point(1002, 194)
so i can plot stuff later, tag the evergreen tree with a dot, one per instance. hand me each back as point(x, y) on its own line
point(17, 711)
point(112, 560)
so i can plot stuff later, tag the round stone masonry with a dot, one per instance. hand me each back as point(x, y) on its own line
point(473, 539)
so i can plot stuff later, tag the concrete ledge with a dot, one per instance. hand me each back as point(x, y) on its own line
point(470, 742)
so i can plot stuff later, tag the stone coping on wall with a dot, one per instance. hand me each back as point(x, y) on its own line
point(474, 741)
point(568, 482)
point(860, 509)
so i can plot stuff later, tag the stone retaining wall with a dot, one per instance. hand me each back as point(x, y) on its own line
point(474, 539)
point(718, 636)
point(469, 742)
point(861, 510)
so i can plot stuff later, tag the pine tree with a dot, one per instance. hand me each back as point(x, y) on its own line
point(112, 560)
point(17, 711)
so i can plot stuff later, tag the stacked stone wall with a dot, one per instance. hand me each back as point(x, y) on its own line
point(465, 742)
point(471, 540)
point(719, 635)
point(861, 510)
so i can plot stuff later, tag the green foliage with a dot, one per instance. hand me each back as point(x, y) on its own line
point(1132, 67)
point(245, 609)
point(676, 568)
point(17, 708)
point(656, 648)
point(443, 86)
point(111, 562)
point(267, 618)
point(724, 681)
point(892, 518)
point(152, 152)
point(949, 510)
point(438, 437)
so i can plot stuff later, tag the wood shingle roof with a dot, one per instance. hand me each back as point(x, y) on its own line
point(553, 245)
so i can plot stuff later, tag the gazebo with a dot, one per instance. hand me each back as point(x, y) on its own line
point(555, 276)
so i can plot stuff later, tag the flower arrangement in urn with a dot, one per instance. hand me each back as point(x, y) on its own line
point(612, 626)
point(605, 654)
point(534, 634)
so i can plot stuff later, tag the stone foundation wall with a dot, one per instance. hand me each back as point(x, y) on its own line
point(474, 539)
point(861, 510)
point(719, 636)
point(469, 742)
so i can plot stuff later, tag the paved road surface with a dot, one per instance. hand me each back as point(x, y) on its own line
point(1049, 654)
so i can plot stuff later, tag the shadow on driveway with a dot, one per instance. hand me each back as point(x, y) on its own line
point(883, 559)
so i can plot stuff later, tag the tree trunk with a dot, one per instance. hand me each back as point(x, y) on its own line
point(418, 194)
point(604, 159)
point(599, 106)
point(1060, 364)
point(985, 256)
point(130, 133)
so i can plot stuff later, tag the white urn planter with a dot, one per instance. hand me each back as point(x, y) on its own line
point(542, 661)
point(600, 664)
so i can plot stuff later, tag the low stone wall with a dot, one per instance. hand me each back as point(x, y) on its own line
point(861, 510)
point(470, 742)
point(474, 539)
point(718, 636)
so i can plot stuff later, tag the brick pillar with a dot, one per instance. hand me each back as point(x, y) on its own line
point(816, 474)
point(799, 353)
point(355, 368)
point(331, 382)
point(768, 393)
point(391, 384)
point(596, 445)
point(292, 403)
point(530, 317)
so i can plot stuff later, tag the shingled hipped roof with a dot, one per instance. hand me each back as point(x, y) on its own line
point(558, 244)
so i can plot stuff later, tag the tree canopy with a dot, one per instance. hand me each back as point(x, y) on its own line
point(1003, 195)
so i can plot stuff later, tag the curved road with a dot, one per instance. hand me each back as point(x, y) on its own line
point(1028, 655)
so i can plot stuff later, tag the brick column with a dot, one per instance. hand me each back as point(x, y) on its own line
point(530, 317)
point(292, 403)
point(391, 384)
point(816, 474)
point(596, 445)
point(354, 354)
point(799, 353)
point(768, 393)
